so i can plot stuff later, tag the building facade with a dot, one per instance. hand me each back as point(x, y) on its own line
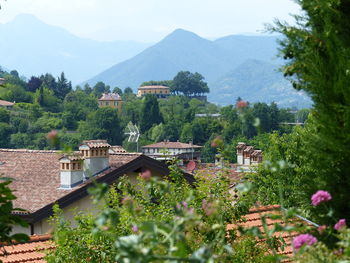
point(158, 91)
point(112, 100)
point(2, 81)
point(169, 150)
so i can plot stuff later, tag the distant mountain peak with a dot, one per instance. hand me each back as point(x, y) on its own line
point(26, 18)
point(181, 34)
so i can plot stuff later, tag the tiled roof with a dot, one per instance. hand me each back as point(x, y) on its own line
point(96, 143)
point(253, 219)
point(257, 153)
point(110, 96)
point(32, 251)
point(117, 149)
point(241, 145)
point(6, 103)
point(249, 149)
point(154, 87)
point(172, 145)
point(36, 175)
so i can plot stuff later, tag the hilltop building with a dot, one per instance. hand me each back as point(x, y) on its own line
point(168, 150)
point(158, 91)
point(2, 81)
point(43, 178)
point(247, 155)
point(6, 104)
point(112, 100)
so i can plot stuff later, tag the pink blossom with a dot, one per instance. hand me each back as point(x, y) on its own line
point(146, 175)
point(341, 224)
point(241, 104)
point(135, 229)
point(319, 197)
point(303, 239)
point(321, 229)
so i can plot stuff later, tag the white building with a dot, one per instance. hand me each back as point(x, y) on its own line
point(168, 150)
point(247, 155)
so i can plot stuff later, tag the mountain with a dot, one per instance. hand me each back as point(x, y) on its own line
point(33, 47)
point(256, 81)
point(181, 50)
point(237, 65)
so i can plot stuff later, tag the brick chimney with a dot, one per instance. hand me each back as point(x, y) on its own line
point(96, 156)
point(71, 171)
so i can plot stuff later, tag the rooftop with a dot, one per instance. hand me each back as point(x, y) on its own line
point(32, 251)
point(6, 103)
point(36, 176)
point(154, 87)
point(172, 145)
point(110, 96)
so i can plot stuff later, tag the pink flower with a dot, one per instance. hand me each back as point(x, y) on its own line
point(321, 229)
point(146, 175)
point(241, 104)
point(135, 229)
point(304, 239)
point(319, 197)
point(341, 224)
point(52, 135)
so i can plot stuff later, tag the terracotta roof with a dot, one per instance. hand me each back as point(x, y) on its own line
point(172, 145)
point(241, 145)
point(253, 219)
point(249, 149)
point(32, 251)
point(154, 87)
point(6, 103)
point(96, 143)
point(117, 149)
point(36, 175)
point(110, 96)
point(257, 153)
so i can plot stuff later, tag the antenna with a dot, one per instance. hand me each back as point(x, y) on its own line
point(134, 134)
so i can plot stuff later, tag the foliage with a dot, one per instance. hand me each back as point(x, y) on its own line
point(189, 83)
point(317, 51)
point(7, 219)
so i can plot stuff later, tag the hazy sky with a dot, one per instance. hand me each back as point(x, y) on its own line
point(150, 20)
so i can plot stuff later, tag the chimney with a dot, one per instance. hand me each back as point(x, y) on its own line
point(71, 171)
point(96, 156)
point(240, 148)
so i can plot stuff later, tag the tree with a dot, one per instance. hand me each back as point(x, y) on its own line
point(100, 88)
point(128, 90)
point(63, 87)
point(4, 115)
point(150, 113)
point(33, 84)
point(5, 133)
point(118, 90)
point(7, 219)
point(102, 124)
point(317, 51)
point(189, 83)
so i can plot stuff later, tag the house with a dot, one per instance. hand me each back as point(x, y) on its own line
point(112, 100)
point(2, 81)
point(158, 91)
point(169, 150)
point(6, 104)
point(43, 178)
point(247, 155)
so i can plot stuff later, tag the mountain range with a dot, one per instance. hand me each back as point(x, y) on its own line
point(234, 66)
point(32, 47)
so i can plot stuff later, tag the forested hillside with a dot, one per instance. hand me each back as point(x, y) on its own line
point(45, 104)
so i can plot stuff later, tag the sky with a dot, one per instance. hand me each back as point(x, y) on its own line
point(151, 20)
